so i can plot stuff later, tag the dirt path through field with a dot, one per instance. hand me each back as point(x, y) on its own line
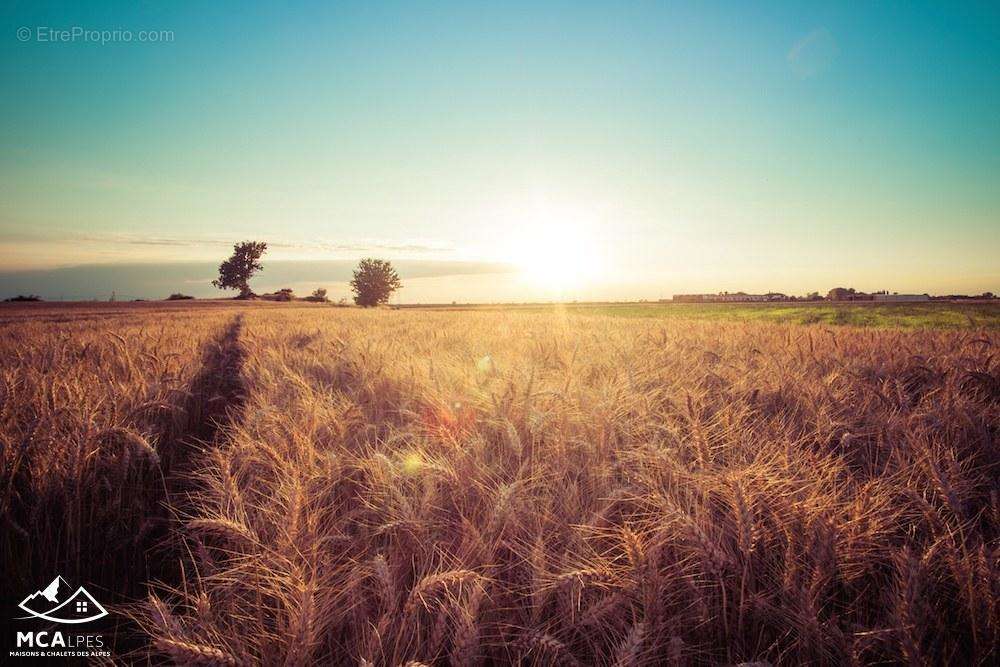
point(216, 398)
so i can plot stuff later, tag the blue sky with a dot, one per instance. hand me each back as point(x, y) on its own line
point(673, 146)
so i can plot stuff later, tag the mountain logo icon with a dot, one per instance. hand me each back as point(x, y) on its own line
point(59, 603)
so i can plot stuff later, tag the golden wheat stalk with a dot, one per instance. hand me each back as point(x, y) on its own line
point(186, 653)
point(434, 583)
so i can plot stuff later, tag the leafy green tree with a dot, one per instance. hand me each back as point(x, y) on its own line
point(236, 272)
point(374, 282)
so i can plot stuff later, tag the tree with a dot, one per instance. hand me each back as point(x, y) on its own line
point(318, 296)
point(374, 282)
point(236, 272)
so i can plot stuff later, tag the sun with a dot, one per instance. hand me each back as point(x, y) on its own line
point(558, 256)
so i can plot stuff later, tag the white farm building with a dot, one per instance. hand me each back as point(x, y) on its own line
point(901, 297)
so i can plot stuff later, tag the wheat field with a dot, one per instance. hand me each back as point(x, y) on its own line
point(298, 486)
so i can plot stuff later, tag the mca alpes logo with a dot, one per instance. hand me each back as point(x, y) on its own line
point(59, 603)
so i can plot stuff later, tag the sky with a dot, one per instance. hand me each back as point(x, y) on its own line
point(502, 151)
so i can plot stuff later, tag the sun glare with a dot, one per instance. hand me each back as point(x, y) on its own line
point(558, 255)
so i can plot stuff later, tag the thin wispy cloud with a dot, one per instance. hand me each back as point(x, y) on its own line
point(311, 245)
point(813, 54)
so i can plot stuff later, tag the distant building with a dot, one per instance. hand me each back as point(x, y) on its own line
point(847, 294)
point(901, 297)
point(985, 296)
point(850, 294)
point(730, 297)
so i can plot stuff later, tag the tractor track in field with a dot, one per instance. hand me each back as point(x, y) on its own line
point(215, 399)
